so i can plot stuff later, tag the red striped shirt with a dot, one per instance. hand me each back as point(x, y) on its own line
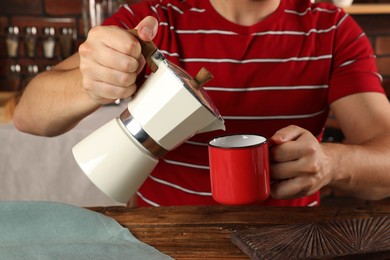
point(284, 70)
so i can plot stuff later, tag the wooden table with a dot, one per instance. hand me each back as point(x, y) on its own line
point(205, 232)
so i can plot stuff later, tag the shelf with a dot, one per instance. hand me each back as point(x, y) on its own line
point(368, 9)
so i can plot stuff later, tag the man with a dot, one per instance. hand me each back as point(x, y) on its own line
point(279, 67)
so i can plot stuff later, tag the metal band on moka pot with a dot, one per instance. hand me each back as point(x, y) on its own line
point(139, 134)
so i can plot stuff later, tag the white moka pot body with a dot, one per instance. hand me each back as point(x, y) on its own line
point(114, 161)
point(168, 111)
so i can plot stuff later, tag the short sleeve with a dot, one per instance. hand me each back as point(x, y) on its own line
point(354, 67)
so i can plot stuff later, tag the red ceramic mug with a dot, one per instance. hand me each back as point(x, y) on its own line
point(239, 169)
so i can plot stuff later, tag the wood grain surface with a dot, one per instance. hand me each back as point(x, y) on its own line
point(205, 232)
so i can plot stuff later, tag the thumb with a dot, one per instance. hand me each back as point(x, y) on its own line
point(147, 28)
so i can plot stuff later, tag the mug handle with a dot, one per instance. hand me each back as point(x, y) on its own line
point(148, 49)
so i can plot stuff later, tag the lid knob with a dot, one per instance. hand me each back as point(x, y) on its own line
point(202, 77)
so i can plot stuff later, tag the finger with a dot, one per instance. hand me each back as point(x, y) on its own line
point(106, 93)
point(118, 61)
point(287, 170)
point(147, 28)
point(92, 54)
point(285, 152)
point(115, 38)
point(299, 145)
point(305, 166)
point(141, 62)
point(286, 134)
point(308, 163)
point(294, 188)
point(106, 74)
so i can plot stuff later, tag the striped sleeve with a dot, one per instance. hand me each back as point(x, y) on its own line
point(354, 63)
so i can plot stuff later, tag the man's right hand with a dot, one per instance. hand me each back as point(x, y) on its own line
point(110, 60)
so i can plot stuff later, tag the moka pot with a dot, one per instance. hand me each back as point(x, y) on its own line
point(168, 109)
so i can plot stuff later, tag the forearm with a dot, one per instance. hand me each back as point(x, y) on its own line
point(53, 103)
point(361, 170)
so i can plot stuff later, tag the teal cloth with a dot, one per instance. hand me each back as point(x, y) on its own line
point(50, 230)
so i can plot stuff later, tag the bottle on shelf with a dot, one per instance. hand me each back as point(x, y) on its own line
point(31, 41)
point(15, 75)
point(49, 42)
point(66, 38)
point(12, 41)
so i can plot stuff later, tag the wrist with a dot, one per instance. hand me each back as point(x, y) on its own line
point(334, 168)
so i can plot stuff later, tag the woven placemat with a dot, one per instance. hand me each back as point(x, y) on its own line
point(323, 240)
